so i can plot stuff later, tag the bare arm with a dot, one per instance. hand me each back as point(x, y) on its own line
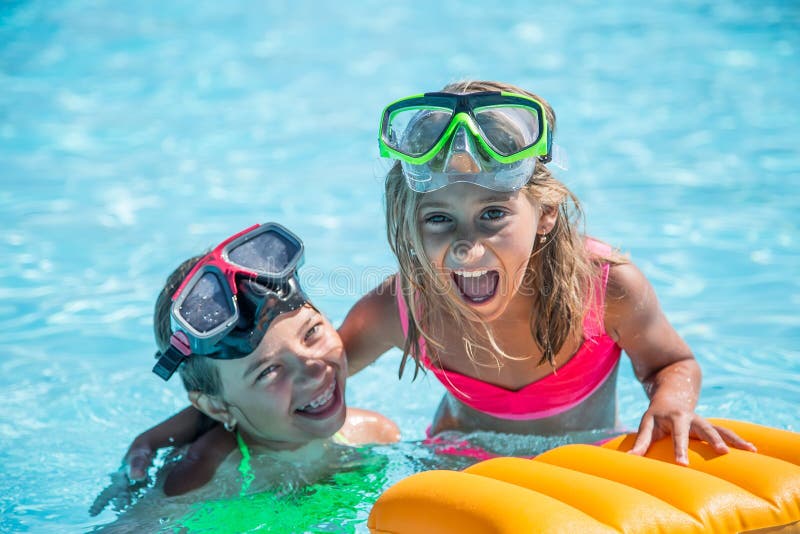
point(371, 327)
point(198, 465)
point(180, 429)
point(663, 363)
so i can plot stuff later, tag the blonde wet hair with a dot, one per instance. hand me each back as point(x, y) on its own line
point(560, 273)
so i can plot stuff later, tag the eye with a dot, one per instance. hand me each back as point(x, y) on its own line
point(313, 333)
point(267, 372)
point(437, 218)
point(493, 214)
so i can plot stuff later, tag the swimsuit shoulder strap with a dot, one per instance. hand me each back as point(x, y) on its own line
point(341, 439)
point(244, 465)
point(593, 323)
point(402, 309)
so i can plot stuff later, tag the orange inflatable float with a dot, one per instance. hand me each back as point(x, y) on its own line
point(588, 489)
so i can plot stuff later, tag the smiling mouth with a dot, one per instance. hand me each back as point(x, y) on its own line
point(476, 287)
point(323, 404)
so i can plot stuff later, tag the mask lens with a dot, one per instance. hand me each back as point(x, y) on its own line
point(414, 131)
point(207, 304)
point(268, 253)
point(508, 129)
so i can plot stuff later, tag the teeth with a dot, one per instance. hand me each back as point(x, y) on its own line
point(471, 274)
point(322, 399)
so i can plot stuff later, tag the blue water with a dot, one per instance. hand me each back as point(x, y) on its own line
point(135, 135)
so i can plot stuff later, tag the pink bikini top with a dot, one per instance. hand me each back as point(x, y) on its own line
point(553, 394)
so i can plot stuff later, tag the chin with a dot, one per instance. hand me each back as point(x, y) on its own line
point(492, 312)
point(333, 425)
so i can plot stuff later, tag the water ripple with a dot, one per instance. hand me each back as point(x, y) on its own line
point(132, 138)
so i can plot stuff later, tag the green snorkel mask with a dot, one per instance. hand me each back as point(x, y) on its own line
point(492, 139)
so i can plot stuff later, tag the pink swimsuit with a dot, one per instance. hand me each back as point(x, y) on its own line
point(573, 383)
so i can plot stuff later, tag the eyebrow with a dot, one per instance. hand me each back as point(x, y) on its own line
point(431, 204)
point(499, 197)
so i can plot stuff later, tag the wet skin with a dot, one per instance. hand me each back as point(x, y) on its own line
point(290, 390)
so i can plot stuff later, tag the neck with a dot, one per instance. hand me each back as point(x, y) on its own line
point(516, 315)
point(260, 445)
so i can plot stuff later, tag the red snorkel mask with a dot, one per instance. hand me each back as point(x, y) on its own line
point(226, 303)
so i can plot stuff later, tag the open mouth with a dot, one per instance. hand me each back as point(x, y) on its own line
point(324, 404)
point(476, 287)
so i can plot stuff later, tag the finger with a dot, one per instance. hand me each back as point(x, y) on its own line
point(137, 465)
point(680, 440)
point(707, 432)
point(644, 436)
point(108, 494)
point(102, 500)
point(135, 470)
point(732, 438)
point(123, 501)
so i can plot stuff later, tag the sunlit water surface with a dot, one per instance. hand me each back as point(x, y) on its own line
point(135, 135)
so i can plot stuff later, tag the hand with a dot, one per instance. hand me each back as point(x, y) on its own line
point(120, 493)
point(128, 481)
point(137, 460)
point(656, 424)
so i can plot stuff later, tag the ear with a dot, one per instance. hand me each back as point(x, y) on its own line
point(547, 220)
point(213, 407)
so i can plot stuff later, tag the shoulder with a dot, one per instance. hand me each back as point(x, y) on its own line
point(632, 307)
point(602, 252)
point(630, 299)
point(635, 320)
point(198, 465)
point(625, 281)
point(365, 426)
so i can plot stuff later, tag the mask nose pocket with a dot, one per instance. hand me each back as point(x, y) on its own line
point(462, 157)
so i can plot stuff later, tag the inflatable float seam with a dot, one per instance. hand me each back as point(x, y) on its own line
point(705, 507)
point(739, 492)
point(580, 479)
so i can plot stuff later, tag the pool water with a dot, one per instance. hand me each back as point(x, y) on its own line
point(133, 136)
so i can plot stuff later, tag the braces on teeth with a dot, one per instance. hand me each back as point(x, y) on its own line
point(322, 399)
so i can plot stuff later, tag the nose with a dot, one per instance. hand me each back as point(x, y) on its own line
point(462, 156)
point(310, 364)
point(313, 364)
point(466, 251)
